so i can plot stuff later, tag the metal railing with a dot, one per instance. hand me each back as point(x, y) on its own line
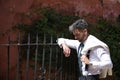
point(42, 56)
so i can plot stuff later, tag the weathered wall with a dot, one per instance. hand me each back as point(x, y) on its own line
point(11, 11)
point(9, 15)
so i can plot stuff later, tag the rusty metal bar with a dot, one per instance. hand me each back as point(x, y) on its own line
point(59, 73)
point(31, 44)
point(61, 66)
point(18, 57)
point(36, 55)
point(8, 59)
point(56, 63)
point(28, 53)
point(42, 69)
point(50, 59)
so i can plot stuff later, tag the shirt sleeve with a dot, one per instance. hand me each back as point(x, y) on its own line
point(104, 60)
point(69, 42)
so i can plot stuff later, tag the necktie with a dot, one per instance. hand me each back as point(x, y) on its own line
point(79, 55)
point(86, 66)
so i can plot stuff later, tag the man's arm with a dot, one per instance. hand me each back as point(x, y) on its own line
point(105, 60)
point(69, 42)
point(66, 44)
point(66, 50)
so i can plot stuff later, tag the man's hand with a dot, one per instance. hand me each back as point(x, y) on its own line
point(66, 50)
point(85, 59)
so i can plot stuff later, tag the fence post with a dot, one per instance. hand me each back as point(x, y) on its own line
point(17, 71)
point(36, 54)
point(28, 52)
point(8, 58)
point(51, 42)
point(42, 69)
point(56, 61)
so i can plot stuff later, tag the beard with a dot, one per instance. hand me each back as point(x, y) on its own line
point(82, 38)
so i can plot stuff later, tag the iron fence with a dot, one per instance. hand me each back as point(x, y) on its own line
point(39, 58)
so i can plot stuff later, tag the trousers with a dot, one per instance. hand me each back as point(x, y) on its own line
point(89, 77)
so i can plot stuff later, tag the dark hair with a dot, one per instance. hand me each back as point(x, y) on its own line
point(79, 24)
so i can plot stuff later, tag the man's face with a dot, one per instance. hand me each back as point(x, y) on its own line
point(79, 34)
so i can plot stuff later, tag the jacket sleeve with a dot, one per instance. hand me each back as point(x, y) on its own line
point(105, 63)
point(69, 42)
point(104, 59)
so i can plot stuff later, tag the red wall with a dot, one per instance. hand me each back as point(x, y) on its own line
point(11, 11)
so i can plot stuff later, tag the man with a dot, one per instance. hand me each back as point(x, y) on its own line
point(93, 55)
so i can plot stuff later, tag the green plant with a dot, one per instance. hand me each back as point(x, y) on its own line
point(50, 23)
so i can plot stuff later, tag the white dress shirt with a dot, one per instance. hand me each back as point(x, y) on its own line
point(99, 54)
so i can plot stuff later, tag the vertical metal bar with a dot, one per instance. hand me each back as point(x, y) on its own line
point(74, 70)
point(28, 52)
point(50, 58)
point(36, 54)
point(66, 75)
point(68, 65)
point(43, 58)
point(18, 57)
point(69, 69)
point(8, 58)
point(61, 63)
point(56, 62)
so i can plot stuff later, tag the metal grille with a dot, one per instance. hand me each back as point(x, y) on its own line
point(43, 57)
